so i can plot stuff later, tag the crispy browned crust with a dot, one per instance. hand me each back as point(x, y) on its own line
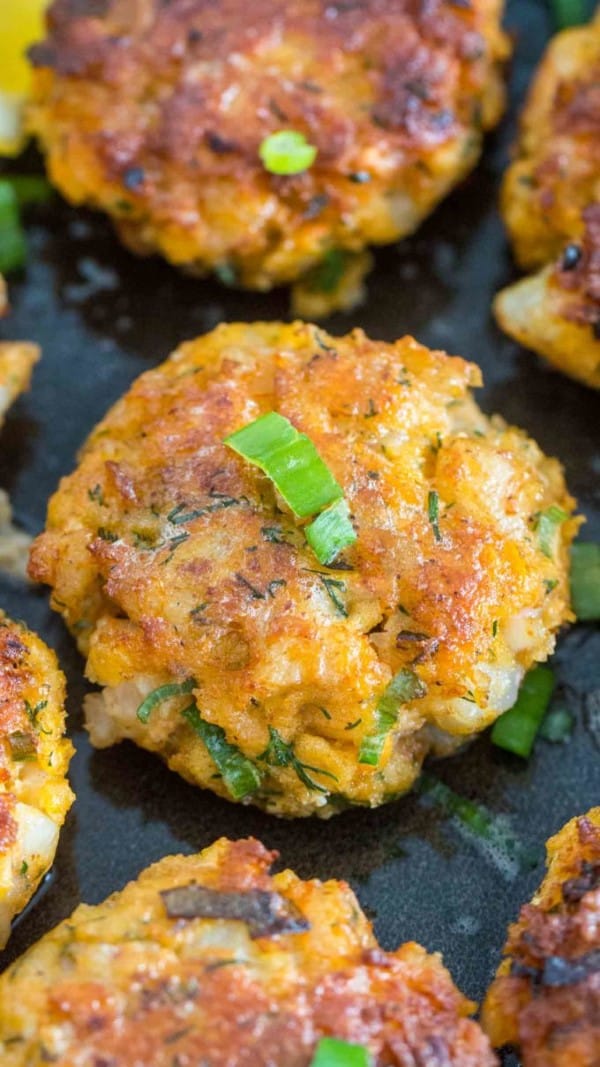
point(551, 206)
point(172, 558)
point(556, 312)
point(546, 998)
point(155, 112)
point(581, 281)
point(556, 173)
point(17, 360)
point(124, 983)
point(34, 757)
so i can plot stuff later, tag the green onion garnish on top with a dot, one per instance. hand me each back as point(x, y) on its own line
point(404, 686)
point(239, 774)
point(517, 728)
point(287, 152)
point(332, 1052)
point(568, 12)
point(331, 532)
point(163, 692)
point(13, 249)
point(585, 580)
point(547, 524)
point(290, 460)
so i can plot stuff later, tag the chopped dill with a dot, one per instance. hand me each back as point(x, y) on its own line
point(280, 753)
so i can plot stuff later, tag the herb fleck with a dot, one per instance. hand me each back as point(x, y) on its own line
point(107, 535)
point(254, 592)
point(433, 511)
point(333, 588)
point(273, 534)
point(198, 609)
point(32, 713)
point(97, 495)
point(280, 753)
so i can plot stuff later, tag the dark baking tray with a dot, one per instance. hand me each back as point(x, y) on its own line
point(102, 317)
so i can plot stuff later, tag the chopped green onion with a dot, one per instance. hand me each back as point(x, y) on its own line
point(163, 692)
point(287, 152)
point(290, 460)
point(493, 833)
point(472, 815)
point(13, 249)
point(585, 580)
point(239, 774)
point(327, 275)
point(22, 745)
point(404, 686)
point(331, 532)
point(433, 511)
point(30, 188)
point(568, 12)
point(547, 524)
point(557, 726)
point(226, 273)
point(516, 729)
point(332, 1052)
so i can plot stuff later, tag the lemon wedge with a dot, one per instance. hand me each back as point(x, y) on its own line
point(21, 23)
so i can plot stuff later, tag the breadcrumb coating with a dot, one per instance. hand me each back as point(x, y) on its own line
point(211, 959)
point(174, 561)
point(156, 113)
point(545, 1000)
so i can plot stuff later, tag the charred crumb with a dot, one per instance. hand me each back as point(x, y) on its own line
point(218, 144)
point(557, 971)
point(574, 890)
point(134, 178)
point(265, 914)
point(570, 257)
point(316, 206)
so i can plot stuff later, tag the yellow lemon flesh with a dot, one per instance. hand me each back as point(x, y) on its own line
point(21, 23)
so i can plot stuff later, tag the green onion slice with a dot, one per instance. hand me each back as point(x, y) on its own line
point(568, 12)
point(585, 580)
point(239, 774)
point(404, 686)
point(517, 728)
point(478, 824)
point(477, 819)
point(163, 692)
point(331, 532)
point(332, 1052)
point(13, 249)
point(290, 460)
point(433, 511)
point(30, 188)
point(287, 152)
point(547, 523)
point(558, 726)
point(22, 745)
point(326, 276)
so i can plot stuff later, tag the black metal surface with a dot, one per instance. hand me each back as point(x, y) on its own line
point(102, 317)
